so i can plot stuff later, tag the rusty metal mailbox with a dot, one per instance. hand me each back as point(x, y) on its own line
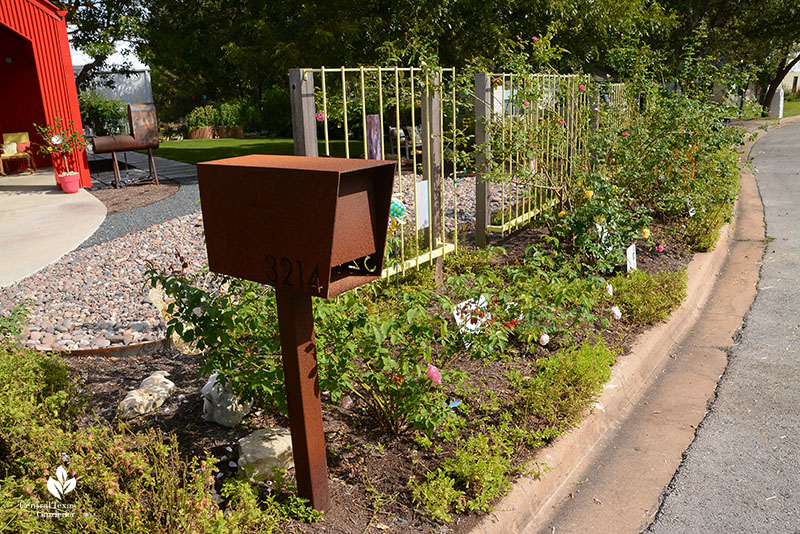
point(314, 226)
point(309, 227)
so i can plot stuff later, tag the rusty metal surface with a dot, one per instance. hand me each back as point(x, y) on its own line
point(296, 323)
point(143, 127)
point(314, 226)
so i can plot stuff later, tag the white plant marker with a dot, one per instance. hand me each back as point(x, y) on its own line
point(423, 206)
point(630, 255)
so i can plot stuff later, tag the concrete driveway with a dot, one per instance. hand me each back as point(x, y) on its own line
point(39, 223)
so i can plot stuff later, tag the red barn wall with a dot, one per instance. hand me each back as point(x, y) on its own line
point(43, 26)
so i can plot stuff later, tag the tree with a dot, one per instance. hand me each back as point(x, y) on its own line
point(760, 36)
point(96, 27)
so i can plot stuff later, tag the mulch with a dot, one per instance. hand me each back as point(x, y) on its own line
point(136, 190)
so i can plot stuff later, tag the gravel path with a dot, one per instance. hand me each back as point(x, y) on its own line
point(96, 296)
point(184, 202)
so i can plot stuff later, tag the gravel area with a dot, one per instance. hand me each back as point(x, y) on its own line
point(96, 296)
point(184, 202)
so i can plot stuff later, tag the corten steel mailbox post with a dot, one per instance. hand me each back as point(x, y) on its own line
point(310, 227)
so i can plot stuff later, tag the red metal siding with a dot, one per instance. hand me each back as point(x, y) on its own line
point(40, 22)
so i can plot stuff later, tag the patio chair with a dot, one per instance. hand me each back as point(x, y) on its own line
point(16, 147)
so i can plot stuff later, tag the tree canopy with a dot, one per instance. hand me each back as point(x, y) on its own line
point(209, 50)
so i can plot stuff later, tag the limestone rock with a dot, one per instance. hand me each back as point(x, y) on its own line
point(152, 393)
point(221, 405)
point(265, 449)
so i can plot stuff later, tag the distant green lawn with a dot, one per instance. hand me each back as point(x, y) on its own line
point(791, 109)
point(196, 150)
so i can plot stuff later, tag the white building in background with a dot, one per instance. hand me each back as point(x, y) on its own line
point(792, 80)
point(131, 88)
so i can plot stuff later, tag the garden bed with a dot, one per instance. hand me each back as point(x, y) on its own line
point(369, 470)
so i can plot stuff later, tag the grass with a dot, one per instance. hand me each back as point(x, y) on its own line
point(197, 150)
point(790, 109)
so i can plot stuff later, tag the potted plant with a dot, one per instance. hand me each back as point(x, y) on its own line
point(200, 123)
point(229, 123)
point(61, 138)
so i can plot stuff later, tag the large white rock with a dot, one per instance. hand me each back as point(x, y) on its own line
point(265, 449)
point(152, 393)
point(221, 405)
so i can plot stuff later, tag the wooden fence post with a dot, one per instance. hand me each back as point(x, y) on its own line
point(373, 138)
point(432, 164)
point(483, 114)
point(304, 125)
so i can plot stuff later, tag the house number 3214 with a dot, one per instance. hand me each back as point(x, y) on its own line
point(288, 273)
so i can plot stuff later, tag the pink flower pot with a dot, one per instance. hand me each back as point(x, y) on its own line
point(70, 183)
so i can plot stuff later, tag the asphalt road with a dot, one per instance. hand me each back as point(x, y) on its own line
point(742, 472)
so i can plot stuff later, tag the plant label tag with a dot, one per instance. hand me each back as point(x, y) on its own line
point(692, 211)
point(470, 315)
point(423, 205)
point(630, 255)
point(601, 232)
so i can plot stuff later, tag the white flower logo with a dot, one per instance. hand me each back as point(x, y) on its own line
point(62, 486)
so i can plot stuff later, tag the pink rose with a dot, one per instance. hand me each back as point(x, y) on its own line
point(582, 88)
point(434, 374)
point(660, 247)
point(534, 39)
point(626, 134)
point(526, 104)
point(544, 339)
point(320, 116)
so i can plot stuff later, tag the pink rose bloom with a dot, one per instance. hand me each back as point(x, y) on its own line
point(526, 104)
point(626, 134)
point(560, 121)
point(544, 339)
point(320, 116)
point(660, 247)
point(534, 39)
point(434, 374)
point(582, 88)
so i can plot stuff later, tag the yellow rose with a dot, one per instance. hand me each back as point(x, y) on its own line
point(562, 213)
point(588, 194)
point(646, 233)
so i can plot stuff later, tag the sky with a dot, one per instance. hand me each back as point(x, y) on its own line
point(79, 58)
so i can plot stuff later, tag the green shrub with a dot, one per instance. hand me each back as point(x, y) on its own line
point(377, 353)
point(36, 398)
point(437, 494)
point(105, 116)
point(228, 114)
point(565, 384)
point(648, 299)
point(200, 117)
point(471, 479)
